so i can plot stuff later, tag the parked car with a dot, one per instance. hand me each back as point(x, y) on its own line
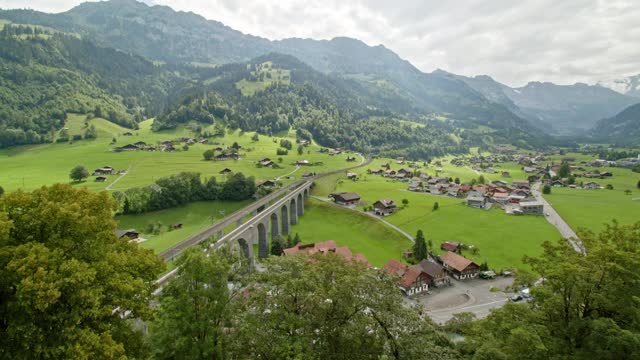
point(516, 298)
point(487, 274)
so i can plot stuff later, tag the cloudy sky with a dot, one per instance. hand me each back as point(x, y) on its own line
point(514, 41)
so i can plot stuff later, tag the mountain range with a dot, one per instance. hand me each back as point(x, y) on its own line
point(374, 75)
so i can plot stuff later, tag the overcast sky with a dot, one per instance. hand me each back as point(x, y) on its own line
point(563, 41)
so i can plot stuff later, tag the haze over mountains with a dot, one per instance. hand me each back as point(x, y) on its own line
point(376, 74)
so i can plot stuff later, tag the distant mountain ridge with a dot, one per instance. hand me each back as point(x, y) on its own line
point(624, 128)
point(566, 109)
point(628, 86)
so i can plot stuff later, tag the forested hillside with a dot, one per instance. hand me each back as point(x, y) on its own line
point(623, 128)
point(42, 78)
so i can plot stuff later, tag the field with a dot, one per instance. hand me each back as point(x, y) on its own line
point(359, 232)
point(32, 166)
point(502, 240)
point(193, 217)
point(267, 75)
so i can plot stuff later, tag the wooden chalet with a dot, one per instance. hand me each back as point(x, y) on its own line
point(460, 267)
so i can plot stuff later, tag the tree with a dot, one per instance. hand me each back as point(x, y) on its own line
point(235, 145)
point(91, 132)
point(276, 246)
point(546, 189)
point(1, 191)
point(420, 247)
point(330, 308)
point(457, 180)
point(255, 137)
point(405, 202)
point(481, 179)
point(208, 154)
point(609, 187)
point(300, 149)
point(69, 287)
point(436, 206)
point(296, 240)
point(627, 192)
point(584, 309)
point(194, 308)
point(638, 184)
point(78, 173)
point(564, 171)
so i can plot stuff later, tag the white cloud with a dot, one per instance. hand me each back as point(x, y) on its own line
point(513, 41)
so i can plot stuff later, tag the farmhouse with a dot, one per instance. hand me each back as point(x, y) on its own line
point(413, 280)
point(477, 201)
point(591, 185)
point(302, 162)
point(225, 171)
point(101, 179)
point(384, 207)
point(352, 176)
point(307, 175)
point(105, 170)
point(521, 184)
point(128, 147)
point(501, 197)
point(389, 173)
point(346, 198)
point(532, 207)
point(266, 162)
point(132, 234)
point(460, 267)
point(450, 246)
point(267, 184)
point(437, 273)
point(376, 171)
point(557, 183)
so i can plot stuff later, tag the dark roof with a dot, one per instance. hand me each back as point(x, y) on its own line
point(120, 233)
point(432, 269)
point(347, 196)
point(387, 202)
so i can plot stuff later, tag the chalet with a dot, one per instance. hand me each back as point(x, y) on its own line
point(303, 142)
point(521, 192)
point(101, 179)
point(453, 191)
point(465, 188)
point(345, 198)
point(402, 176)
point(606, 174)
point(105, 170)
point(376, 171)
point(385, 165)
point(515, 199)
point(591, 185)
point(460, 267)
point(529, 169)
point(404, 171)
point(384, 207)
point(218, 149)
point(557, 183)
point(450, 246)
point(437, 273)
point(476, 201)
point(266, 162)
point(167, 147)
point(352, 176)
point(499, 183)
point(227, 156)
point(529, 207)
point(131, 234)
point(176, 226)
point(307, 175)
point(500, 197)
point(303, 162)
point(203, 141)
point(413, 280)
point(267, 184)
point(325, 247)
point(521, 184)
point(225, 171)
point(389, 173)
point(128, 147)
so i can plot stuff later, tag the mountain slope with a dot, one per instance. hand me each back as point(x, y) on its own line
point(629, 86)
point(566, 109)
point(624, 128)
point(160, 33)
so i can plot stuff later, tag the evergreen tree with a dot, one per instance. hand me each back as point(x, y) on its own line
point(546, 190)
point(436, 206)
point(296, 240)
point(420, 246)
point(276, 246)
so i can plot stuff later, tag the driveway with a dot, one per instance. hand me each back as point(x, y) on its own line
point(554, 218)
point(473, 296)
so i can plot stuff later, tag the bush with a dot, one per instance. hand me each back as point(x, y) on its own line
point(546, 190)
point(281, 151)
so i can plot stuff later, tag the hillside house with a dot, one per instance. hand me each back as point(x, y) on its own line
point(459, 267)
point(266, 162)
point(307, 175)
point(389, 173)
point(384, 207)
point(352, 176)
point(521, 184)
point(436, 272)
point(450, 246)
point(531, 207)
point(591, 185)
point(413, 280)
point(477, 201)
point(101, 179)
point(377, 172)
point(267, 184)
point(225, 171)
point(499, 183)
point(105, 170)
point(501, 197)
point(557, 183)
point(345, 198)
point(303, 162)
point(131, 234)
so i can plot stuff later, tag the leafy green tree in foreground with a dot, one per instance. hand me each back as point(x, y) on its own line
point(193, 308)
point(587, 307)
point(79, 173)
point(1, 191)
point(420, 247)
point(68, 286)
point(330, 308)
point(546, 189)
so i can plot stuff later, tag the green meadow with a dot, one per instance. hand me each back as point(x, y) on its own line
point(502, 240)
point(361, 233)
point(29, 167)
point(194, 217)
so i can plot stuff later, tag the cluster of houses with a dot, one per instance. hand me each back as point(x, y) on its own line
point(100, 173)
point(382, 207)
point(433, 272)
point(166, 146)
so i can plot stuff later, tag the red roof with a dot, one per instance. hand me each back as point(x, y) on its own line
point(325, 247)
point(409, 277)
point(449, 246)
point(395, 267)
point(456, 261)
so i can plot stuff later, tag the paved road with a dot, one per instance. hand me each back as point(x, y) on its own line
point(472, 296)
point(556, 220)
